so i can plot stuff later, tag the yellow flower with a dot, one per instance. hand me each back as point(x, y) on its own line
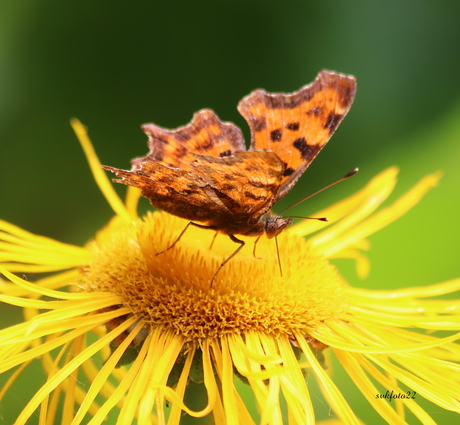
point(124, 333)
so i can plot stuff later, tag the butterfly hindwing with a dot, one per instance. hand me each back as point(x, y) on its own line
point(205, 135)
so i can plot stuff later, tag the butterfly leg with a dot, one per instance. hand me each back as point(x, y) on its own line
point(277, 253)
point(201, 226)
point(254, 250)
point(213, 239)
point(236, 240)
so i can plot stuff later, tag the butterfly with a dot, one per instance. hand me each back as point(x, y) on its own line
point(202, 172)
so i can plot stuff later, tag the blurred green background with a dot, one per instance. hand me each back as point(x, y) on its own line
point(116, 65)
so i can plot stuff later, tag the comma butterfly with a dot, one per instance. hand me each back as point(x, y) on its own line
point(203, 172)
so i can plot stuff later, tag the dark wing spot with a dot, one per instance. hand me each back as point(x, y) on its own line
point(260, 185)
point(252, 196)
point(288, 171)
point(333, 120)
point(228, 187)
point(225, 157)
point(275, 135)
point(208, 144)
point(166, 180)
point(225, 153)
point(259, 123)
point(293, 126)
point(180, 152)
point(316, 110)
point(252, 167)
point(140, 173)
point(229, 177)
point(190, 192)
point(304, 149)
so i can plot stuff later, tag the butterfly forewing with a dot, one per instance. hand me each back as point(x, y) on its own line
point(179, 192)
point(297, 126)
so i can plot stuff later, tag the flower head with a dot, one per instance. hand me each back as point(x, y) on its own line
point(120, 328)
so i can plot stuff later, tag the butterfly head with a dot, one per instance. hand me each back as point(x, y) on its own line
point(275, 224)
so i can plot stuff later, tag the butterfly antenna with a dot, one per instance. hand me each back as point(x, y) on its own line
point(345, 177)
point(307, 218)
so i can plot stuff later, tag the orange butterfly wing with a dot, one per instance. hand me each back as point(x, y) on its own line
point(297, 126)
point(230, 194)
point(205, 135)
